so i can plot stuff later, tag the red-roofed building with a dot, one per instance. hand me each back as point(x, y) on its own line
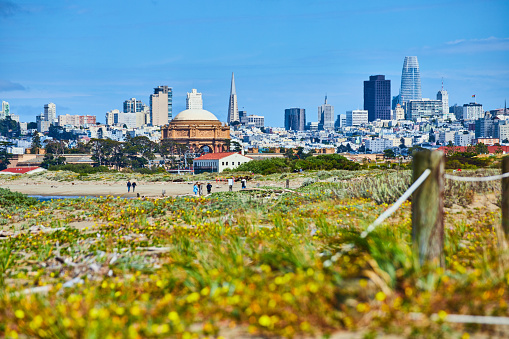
point(22, 170)
point(491, 149)
point(218, 162)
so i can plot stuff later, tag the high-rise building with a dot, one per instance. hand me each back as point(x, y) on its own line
point(5, 112)
point(256, 120)
point(443, 96)
point(377, 98)
point(194, 100)
point(295, 119)
point(356, 117)
point(110, 117)
point(472, 111)
point(424, 108)
point(326, 116)
point(132, 106)
point(457, 111)
point(410, 81)
point(161, 106)
point(340, 121)
point(50, 112)
point(233, 108)
point(243, 118)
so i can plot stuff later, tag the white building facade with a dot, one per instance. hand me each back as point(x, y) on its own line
point(356, 117)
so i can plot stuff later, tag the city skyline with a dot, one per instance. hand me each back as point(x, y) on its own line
point(283, 53)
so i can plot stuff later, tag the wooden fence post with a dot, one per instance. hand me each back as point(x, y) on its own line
point(505, 197)
point(287, 183)
point(428, 208)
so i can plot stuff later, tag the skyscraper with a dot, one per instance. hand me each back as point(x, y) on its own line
point(194, 100)
point(295, 119)
point(132, 106)
point(50, 112)
point(377, 98)
point(233, 109)
point(161, 106)
point(5, 110)
point(410, 81)
point(325, 116)
point(443, 96)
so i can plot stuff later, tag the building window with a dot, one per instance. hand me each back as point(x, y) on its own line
point(239, 163)
point(223, 163)
point(227, 163)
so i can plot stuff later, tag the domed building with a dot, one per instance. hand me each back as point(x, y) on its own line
point(198, 129)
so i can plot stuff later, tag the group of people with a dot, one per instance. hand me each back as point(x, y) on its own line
point(129, 185)
point(197, 187)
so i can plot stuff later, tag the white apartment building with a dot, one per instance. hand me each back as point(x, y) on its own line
point(50, 112)
point(356, 117)
point(379, 145)
point(503, 132)
point(398, 113)
point(256, 120)
point(463, 138)
point(472, 111)
point(194, 100)
point(445, 137)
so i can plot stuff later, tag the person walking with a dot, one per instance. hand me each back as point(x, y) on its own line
point(209, 188)
point(134, 185)
point(243, 181)
point(128, 186)
point(195, 188)
point(230, 184)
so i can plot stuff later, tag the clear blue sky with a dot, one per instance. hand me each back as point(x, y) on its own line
point(89, 56)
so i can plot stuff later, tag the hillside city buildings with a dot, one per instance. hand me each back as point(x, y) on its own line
point(406, 121)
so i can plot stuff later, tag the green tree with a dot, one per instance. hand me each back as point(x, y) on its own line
point(389, 154)
point(9, 128)
point(36, 142)
point(52, 160)
point(5, 156)
point(481, 148)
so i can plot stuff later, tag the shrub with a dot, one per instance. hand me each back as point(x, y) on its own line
point(9, 199)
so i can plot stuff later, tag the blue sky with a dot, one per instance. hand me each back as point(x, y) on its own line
point(89, 56)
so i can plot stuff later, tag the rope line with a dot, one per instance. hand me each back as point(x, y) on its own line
point(472, 179)
point(397, 204)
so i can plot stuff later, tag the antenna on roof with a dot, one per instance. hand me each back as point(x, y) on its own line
point(442, 83)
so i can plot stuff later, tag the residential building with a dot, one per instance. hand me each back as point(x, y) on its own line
point(464, 138)
point(50, 112)
point(326, 116)
point(457, 111)
point(503, 131)
point(161, 106)
point(399, 113)
point(110, 117)
point(445, 137)
point(410, 81)
point(76, 120)
point(218, 162)
point(132, 106)
point(487, 141)
point(256, 120)
point(379, 145)
point(194, 100)
point(295, 119)
point(312, 126)
point(233, 108)
point(5, 112)
point(377, 98)
point(356, 117)
point(472, 111)
point(424, 108)
point(485, 127)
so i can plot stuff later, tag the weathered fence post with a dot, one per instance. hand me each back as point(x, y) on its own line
point(428, 207)
point(287, 183)
point(505, 197)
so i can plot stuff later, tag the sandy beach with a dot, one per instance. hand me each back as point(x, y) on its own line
point(104, 188)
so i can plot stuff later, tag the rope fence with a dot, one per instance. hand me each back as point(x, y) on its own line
point(474, 179)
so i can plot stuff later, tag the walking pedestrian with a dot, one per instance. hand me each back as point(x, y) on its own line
point(134, 185)
point(128, 186)
point(243, 181)
point(195, 188)
point(209, 188)
point(230, 184)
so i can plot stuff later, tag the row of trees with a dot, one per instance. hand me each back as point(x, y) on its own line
point(134, 153)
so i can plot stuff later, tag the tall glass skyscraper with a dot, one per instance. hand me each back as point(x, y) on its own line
point(410, 81)
point(377, 97)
